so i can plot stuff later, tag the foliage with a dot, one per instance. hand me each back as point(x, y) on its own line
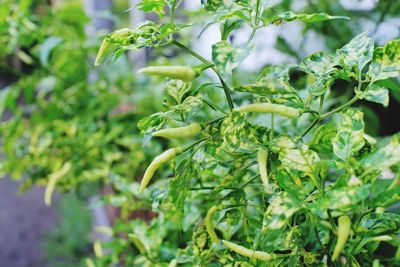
point(65, 117)
point(321, 166)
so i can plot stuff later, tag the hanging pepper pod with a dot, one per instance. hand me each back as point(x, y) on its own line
point(180, 132)
point(282, 110)
point(161, 159)
point(182, 73)
point(344, 228)
point(106, 43)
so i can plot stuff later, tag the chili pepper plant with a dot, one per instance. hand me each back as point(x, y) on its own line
point(270, 171)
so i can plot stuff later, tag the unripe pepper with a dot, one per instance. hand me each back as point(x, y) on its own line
point(98, 250)
point(156, 163)
point(53, 179)
point(180, 132)
point(182, 73)
point(138, 243)
point(271, 108)
point(253, 254)
point(208, 223)
point(344, 228)
point(106, 44)
point(262, 157)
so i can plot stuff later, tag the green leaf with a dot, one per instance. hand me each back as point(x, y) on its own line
point(387, 154)
point(228, 26)
point(281, 209)
point(302, 159)
point(273, 80)
point(175, 92)
point(375, 224)
point(290, 16)
point(358, 52)
point(146, 34)
point(386, 61)
point(322, 139)
point(153, 122)
point(212, 5)
point(387, 198)
point(179, 185)
point(239, 136)
point(339, 199)
point(320, 86)
point(156, 6)
point(190, 104)
point(287, 183)
point(226, 57)
point(296, 158)
point(46, 47)
point(375, 93)
point(319, 64)
point(350, 136)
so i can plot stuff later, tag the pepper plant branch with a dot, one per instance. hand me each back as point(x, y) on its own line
point(213, 106)
point(205, 61)
point(340, 108)
point(310, 127)
point(255, 28)
point(193, 145)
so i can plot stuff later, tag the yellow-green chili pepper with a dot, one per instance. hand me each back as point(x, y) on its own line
point(106, 44)
point(182, 73)
point(179, 132)
point(53, 179)
point(344, 228)
point(271, 108)
point(262, 157)
point(208, 223)
point(138, 243)
point(156, 163)
point(98, 250)
point(253, 254)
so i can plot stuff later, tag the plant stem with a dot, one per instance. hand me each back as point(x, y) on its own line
point(205, 61)
point(271, 135)
point(253, 32)
point(321, 104)
point(193, 145)
point(340, 108)
point(190, 51)
point(310, 127)
point(213, 106)
point(319, 240)
point(172, 12)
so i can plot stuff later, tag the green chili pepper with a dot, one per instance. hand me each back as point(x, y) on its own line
point(271, 108)
point(344, 228)
point(106, 44)
point(262, 157)
point(173, 263)
point(182, 73)
point(156, 163)
point(89, 262)
point(253, 254)
point(138, 243)
point(53, 179)
point(179, 132)
point(98, 250)
point(208, 224)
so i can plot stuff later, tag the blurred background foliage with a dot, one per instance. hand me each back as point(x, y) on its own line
point(56, 109)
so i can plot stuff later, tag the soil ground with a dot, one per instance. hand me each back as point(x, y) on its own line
point(24, 221)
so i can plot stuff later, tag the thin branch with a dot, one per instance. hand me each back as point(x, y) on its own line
point(205, 61)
